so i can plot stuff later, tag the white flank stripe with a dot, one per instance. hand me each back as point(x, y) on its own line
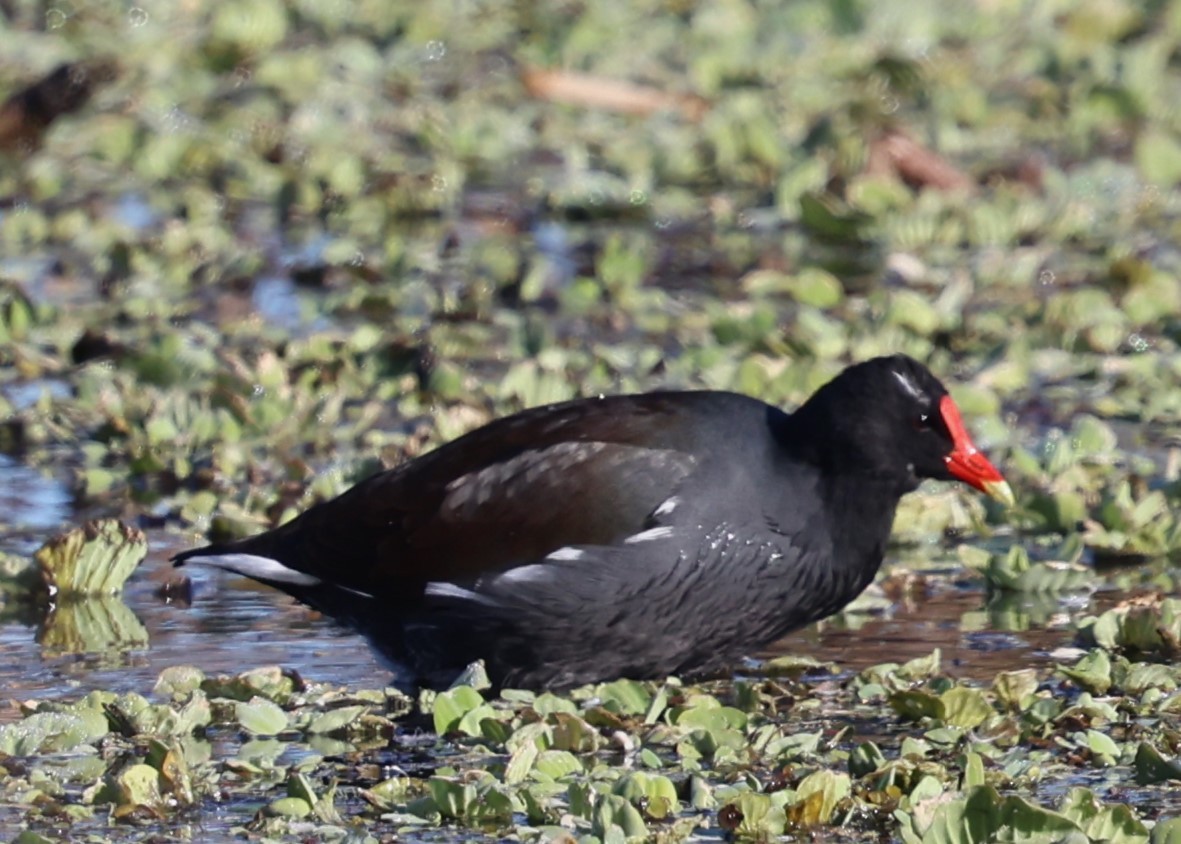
point(450, 590)
point(649, 535)
point(667, 506)
point(567, 553)
point(529, 573)
point(260, 568)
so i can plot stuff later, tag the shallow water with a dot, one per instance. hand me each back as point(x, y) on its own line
point(230, 626)
point(953, 620)
point(233, 624)
point(30, 499)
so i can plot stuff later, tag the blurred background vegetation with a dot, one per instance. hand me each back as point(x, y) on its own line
point(252, 251)
point(241, 244)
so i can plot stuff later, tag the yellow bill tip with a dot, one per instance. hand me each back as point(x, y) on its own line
point(999, 491)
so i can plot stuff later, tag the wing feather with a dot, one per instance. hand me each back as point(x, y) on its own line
point(507, 494)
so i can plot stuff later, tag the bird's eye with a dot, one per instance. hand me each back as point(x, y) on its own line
point(922, 422)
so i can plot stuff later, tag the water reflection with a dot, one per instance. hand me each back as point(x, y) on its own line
point(275, 300)
point(230, 627)
point(134, 211)
point(233, 625)
point(99, 625)
point(25, 394)
point(975, 641)
point(30, 499)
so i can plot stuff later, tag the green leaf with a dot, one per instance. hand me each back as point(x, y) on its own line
point(625, 697)
point(866, 758)
point(815, 287)
point(94, 559)
point(1013, 688)
point(912, 310)
point(452, 705)
point(29, 837)
point(915, 704)
point(964, 707)
point(613, 812)
point(548, 702)
point(827, 216)
point(179, 681)
point(791, 665)
point(973, 771)
point(794, 746)
point(289, 807)
point(655, 794)
point(1166, 832)
point(922, 667)
point(474, 675)
point(269, 681)
point(336, 720)
point(712, 717)
point(1152, 767)
point(1015, 572)
point(817, 797)
point(658, 704)
point(261, 716)
point(1092, 672)
point(250, 28)
point(475, 722)
point(44, 732)
point(983, 816)
point(387, 794)
point(759, 818)
point(556, 764)
point(175, 776)
point(138, 786)
point(1158, 156)
point(1103, 748)
point(701, 796)
point(452, 798)
point(1116, 824)
point(569, 732)
point(1107, 629)
point(521, 762)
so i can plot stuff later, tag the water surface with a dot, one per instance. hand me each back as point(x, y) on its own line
point(233, 624)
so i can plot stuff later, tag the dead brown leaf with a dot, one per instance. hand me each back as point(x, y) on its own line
point(580, 89)
point(894, 153)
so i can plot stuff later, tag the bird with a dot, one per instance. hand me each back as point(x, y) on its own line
point(630, 536)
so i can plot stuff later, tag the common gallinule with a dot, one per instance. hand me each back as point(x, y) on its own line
point(628, 536)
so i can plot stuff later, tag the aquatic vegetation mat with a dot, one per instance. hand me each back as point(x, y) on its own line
point(901, 750)
point(252, 253)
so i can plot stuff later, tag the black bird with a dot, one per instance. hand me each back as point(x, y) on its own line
point(628, 536)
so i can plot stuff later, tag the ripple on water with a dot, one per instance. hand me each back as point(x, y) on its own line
point(276, 299)
point(25, 394)
point(231, 627)
point(30, 499)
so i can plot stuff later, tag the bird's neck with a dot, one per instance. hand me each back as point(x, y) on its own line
point(861, 512)
point(859, 500)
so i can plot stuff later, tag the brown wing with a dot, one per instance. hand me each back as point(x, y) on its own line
point(581, 473)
